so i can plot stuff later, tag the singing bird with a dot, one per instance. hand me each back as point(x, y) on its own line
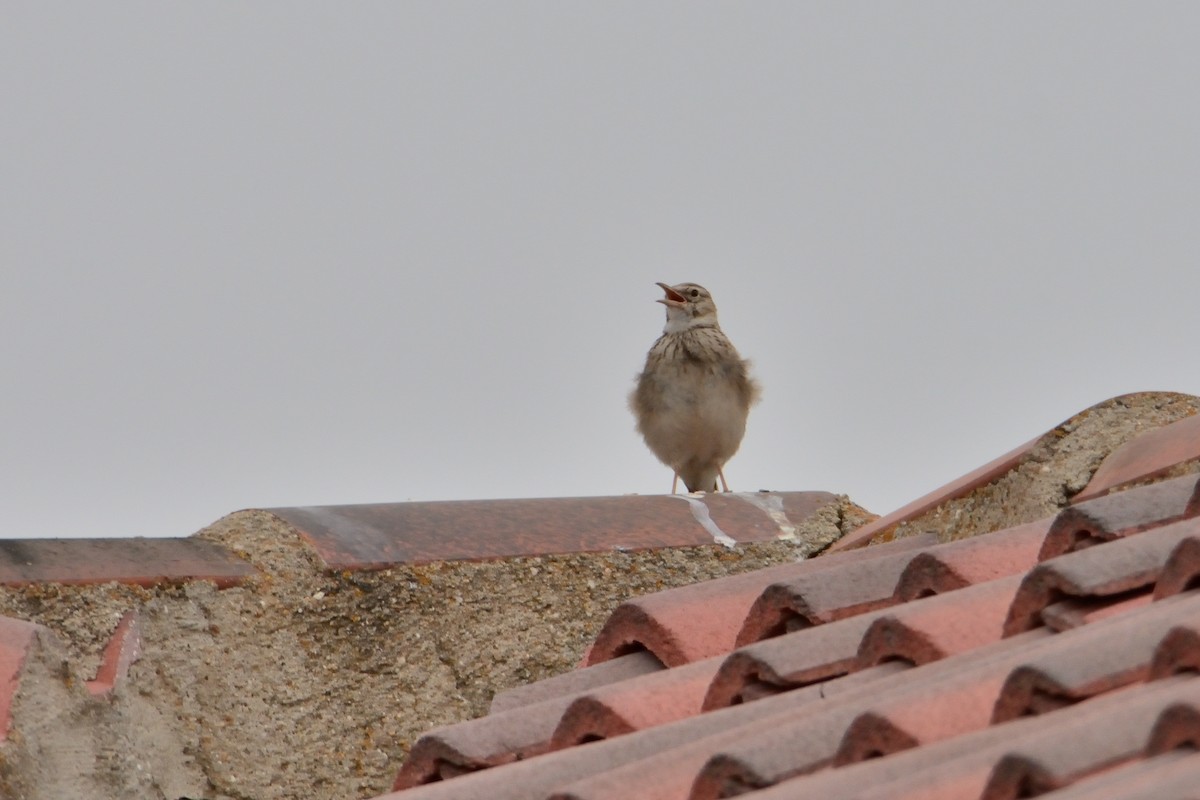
point(693, 396)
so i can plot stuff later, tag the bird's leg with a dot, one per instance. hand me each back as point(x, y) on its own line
point(721, 475)
point(675, 483)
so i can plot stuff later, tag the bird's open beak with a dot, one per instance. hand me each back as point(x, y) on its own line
point(673, 297)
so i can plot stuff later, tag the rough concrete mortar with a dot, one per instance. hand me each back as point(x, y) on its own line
point(1060, 466)
point(306, 684)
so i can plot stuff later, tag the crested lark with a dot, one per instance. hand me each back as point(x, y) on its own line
point(693, 396)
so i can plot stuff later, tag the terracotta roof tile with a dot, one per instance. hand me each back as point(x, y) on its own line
point(1067, 614)
point(795, 723)
point(1098, 572)
point(703, 620)
point(1173, 775)
point(920, 631)
point(633, 705)
point(976, 560)
point(815, 739)
point(1179, 650)
point(1152, 453)
point(1083, 662)
point(956, 488)
point(374, 536)
point(941, 625)
point(544, 774)
point(1032, 755)
point(839, 590)
point(485, 742)
point(1121, 514)
point(144, 562)
point(1182, 571)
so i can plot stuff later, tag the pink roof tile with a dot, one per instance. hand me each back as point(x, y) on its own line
point(1182, 571)
point(920, 631)
point(703, 620)
point(1173, 775)
point(481, 743)
point(1179, 650)
point(633, 705)
point(1076, 612)
point(144, 562)
point(956, 488)
point(1152, 453)
point(1122, 514)
point(375, 536)
point(839, 590)
point(1082, 662)
point(969, 561)
point(1098, 572)
point(793, 724)
point(1032, 755)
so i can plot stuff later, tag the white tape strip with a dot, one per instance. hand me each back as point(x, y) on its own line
point(700, 512)
point(772, 506)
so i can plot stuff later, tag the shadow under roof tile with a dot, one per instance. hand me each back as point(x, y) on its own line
point(1147, 455)
point(16, 637)
point(577, 680)
point(1177, 727)
point(376, 536)
point(838, 591)
point(1112, 516)
point(145, 562)
point(702, 620)
point(1075, 613)
point(955, 489)
point(954, 565)
point(1169, 776)
point(1179, 650)
point(1101, 571)
point(1084, 662)
point(1182, 571)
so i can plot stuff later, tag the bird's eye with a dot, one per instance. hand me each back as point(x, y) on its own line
point(695, 292)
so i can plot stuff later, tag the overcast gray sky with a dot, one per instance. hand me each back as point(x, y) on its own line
point(288, 253)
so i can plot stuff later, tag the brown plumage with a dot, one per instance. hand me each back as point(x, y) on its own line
point(693, 396)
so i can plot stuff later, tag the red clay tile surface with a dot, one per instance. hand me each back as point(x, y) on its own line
point(1150, 454)
point(1057, 659)
point(377, 535)
point(956, 488)
point(144, 562)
